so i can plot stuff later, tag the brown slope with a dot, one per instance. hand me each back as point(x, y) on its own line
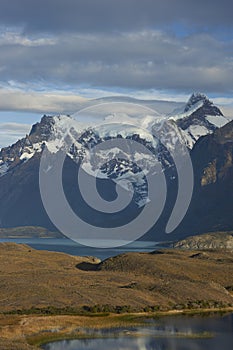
point(31, 278)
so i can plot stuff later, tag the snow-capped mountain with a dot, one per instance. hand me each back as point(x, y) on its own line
point(198, 118)
point(156, 136)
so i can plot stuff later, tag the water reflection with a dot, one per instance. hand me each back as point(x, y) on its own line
point(126, 344)
point(165, 334)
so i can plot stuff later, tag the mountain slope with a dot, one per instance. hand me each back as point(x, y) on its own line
point(212, 204)
point(20, 200)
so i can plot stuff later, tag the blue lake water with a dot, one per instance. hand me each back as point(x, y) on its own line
point(162, 334)
point(67, 246)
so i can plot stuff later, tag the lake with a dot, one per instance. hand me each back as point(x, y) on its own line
point(68, 246)
point(167, 333)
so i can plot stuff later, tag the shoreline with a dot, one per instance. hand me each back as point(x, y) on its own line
point(37, 330)
point(49, 296)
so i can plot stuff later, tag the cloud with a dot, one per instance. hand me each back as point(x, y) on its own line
point(53, 49)
point(148, 59)
point(8, 38)
point(115, 15)
point(12, 132)
point(44, 103)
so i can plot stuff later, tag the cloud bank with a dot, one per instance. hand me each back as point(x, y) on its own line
point(137, 60)
point(53, 49)
point(52, 16)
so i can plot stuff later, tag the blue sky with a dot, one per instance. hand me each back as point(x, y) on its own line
point(57, 53)
point(13, 117)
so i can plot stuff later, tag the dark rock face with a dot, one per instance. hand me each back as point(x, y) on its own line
point(212, 156)
point(42, 131)
point(212, 204)
point(20, 201)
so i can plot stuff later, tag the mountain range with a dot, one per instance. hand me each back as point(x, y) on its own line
point(199, 125)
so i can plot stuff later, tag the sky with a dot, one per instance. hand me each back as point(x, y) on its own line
point(57, 53)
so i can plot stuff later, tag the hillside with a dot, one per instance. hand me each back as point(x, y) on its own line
point(164, 279)
point(47, 295)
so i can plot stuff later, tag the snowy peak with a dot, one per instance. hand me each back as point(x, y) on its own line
point(199, 118)
point(197, 101)
point(41, 131)
point(195, 98)
point(27, 147)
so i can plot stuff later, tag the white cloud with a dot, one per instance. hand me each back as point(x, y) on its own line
point(12, 132)
point(15, 38)
point(41, 102)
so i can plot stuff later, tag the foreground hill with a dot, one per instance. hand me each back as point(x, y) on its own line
point(47, 296)
point(134, 281)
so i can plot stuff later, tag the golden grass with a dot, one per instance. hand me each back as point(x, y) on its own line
point(40, 279)
point(56, 283)
point(36, 330)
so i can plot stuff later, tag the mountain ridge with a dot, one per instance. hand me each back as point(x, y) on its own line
point(42, 132)
point(19, 163)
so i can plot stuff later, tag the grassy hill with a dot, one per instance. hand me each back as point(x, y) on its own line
point(134, 281)
point(45, 292)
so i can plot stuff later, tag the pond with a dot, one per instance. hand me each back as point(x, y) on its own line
point(167, 333)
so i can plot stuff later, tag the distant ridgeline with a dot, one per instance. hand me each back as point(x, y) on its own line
point(28, 232)
point(208, 241)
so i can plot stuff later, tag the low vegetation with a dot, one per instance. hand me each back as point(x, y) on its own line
point(47, 295)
